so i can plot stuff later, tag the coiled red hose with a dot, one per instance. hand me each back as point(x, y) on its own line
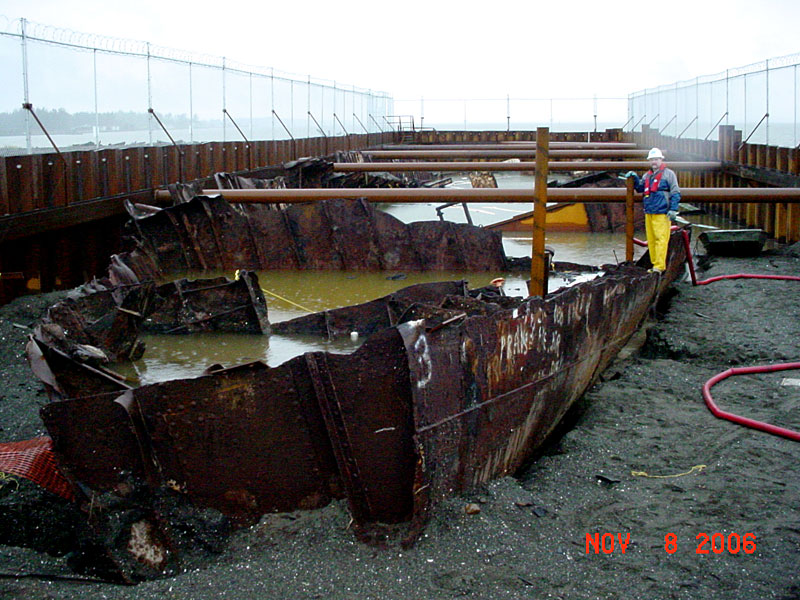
point(752, 423)
point(709, 400)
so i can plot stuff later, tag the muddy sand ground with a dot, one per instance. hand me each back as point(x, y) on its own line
point(706, 476)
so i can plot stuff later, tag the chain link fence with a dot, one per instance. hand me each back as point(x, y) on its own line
point(760, 99)
point(91, 90)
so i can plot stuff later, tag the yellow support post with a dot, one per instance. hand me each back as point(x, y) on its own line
point(629, 219)
point(538, 285)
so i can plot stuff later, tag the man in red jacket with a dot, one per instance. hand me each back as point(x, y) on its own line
point(661, 197)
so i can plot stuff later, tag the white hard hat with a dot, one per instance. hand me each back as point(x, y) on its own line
point(654, 153)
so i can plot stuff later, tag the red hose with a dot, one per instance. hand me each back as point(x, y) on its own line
point(690, 261)
point(752, 423)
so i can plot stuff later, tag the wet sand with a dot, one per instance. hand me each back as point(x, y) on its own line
point(529, 539)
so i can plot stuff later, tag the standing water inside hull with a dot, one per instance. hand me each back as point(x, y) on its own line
point(569, 246)
point(288, 293)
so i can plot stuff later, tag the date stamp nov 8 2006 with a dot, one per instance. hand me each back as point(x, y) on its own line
point(707, 543)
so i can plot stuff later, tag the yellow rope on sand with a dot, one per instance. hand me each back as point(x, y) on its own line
point(694, 469)
point(236, 277)
point(7, 478)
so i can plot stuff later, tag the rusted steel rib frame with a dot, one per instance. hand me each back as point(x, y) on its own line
point(498, 195)
point(339, 234)
point(605, 165)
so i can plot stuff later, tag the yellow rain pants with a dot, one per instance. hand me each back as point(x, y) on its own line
point(657, 227)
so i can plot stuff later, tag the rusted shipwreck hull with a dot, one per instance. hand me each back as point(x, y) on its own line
point(451, 390)
point(208, 233)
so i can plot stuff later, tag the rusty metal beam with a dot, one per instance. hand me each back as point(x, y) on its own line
point(629, 218)
point(513, 145)
point(499, 195)
point(598, 165)
point(538, 284)
point(509, 153)
point(22, 225)
point(761, 175)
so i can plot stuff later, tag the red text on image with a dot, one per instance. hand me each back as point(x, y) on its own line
point(606, 542)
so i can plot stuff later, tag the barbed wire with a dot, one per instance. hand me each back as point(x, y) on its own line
point(92, 42)
point(8, 25)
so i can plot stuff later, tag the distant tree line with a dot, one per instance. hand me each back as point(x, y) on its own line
point(60, 121)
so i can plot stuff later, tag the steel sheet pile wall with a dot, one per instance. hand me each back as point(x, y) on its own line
point(743, 165)
point(60, 218)
point(483, 137)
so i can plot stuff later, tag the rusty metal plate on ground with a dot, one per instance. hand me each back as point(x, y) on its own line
point(95, 439)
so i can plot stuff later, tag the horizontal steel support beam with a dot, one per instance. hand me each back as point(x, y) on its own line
point(22, 225)
point(761, 175)
point(499, 195)
point(509, 153)
point(514, 146)
point(599, 165)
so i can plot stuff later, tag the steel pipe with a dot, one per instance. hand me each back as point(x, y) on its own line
point(514, 146)
point(498, 195)
point(595, 165)
point(510, 153)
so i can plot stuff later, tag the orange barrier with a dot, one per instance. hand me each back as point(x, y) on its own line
point(34, 459)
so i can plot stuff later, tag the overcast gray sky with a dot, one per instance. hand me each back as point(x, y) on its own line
point(463, 49)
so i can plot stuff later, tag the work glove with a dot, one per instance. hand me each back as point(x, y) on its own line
point(673, 215)
point(629, 174)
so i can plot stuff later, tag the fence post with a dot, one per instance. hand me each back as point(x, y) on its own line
point(224, 105)
point(149, 98)
point(96, 113)
point(191, 107)
point(26, 94)
point(767, 111)
point(272, 98)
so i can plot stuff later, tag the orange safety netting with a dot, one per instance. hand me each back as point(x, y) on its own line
point(34, 460)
